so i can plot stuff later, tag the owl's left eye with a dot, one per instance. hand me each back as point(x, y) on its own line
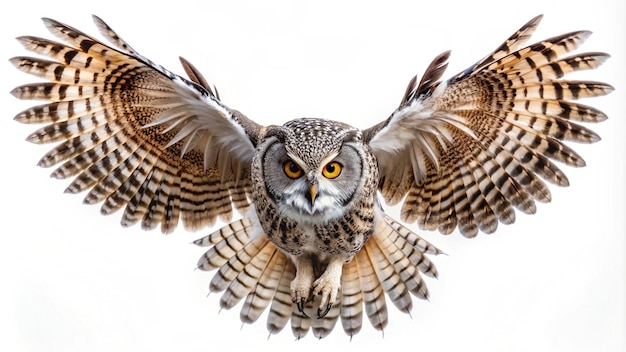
point(292, 170)
point(332, 170)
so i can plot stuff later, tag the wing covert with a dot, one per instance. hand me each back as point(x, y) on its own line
point(133, 134)
point(465, 152)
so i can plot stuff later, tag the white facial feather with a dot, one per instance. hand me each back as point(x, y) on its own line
point(327, 206)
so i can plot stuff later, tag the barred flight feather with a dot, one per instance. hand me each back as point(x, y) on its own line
point(458, 154)
point(103, 104)
point(518, 112)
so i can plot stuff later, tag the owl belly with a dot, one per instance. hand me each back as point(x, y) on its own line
point(342, 237)
point(345, 236)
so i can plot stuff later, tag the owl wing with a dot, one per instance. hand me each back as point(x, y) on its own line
point(135, 134)
point(465, 152)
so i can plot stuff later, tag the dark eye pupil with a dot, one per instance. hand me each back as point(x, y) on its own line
point(293, 167)
point(330, 168)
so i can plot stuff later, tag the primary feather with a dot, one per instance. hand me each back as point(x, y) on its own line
point(111, 110)
point(481, 143)
point(461, 153)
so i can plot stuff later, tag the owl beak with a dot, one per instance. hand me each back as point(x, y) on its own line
point(313, 192)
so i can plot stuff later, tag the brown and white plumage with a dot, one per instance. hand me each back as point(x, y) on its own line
point(487, 133)
point(103, 104)
point(461, 153)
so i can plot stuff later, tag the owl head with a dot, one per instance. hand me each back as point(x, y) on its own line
point(312, 169)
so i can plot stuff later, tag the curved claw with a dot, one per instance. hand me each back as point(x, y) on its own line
point(327, 286)
point(321, 314)
point(300, 304)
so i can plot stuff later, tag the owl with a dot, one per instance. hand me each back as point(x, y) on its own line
point(313, 245)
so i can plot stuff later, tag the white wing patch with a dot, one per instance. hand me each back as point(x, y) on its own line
point(421, 131)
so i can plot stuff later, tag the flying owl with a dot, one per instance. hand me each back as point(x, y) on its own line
point(314, 243)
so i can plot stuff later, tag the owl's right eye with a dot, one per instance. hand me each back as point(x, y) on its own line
point(292, 170)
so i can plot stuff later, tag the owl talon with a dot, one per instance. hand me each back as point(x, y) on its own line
point(327, 286)
point(301, 284)
point(321, 314)
point(300, 304)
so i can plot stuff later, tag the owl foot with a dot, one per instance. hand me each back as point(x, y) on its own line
point(301, 294)
point(302, 284)
point(327, 286)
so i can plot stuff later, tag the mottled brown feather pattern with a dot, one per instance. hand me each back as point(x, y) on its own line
point(519, 113)
point(462, 153)
point(100, 101)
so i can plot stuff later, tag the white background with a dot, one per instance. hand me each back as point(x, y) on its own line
point(73, 280)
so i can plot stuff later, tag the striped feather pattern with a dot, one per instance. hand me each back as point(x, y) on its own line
point(482, 143)
point(462, 153)
point(323, 327)
point(117, 118)
point(251, 269)
point(351, 299)
point(282, 307)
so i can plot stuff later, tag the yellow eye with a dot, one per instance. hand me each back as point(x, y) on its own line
point(292, 170)
point(332, 170)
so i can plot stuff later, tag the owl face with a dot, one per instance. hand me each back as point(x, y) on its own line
point(312, 170)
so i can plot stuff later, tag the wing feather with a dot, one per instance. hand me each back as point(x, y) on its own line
point(466, 152)
point(134, 134)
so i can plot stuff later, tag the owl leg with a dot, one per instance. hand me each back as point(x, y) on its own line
point(327, 286)
point(303, 282)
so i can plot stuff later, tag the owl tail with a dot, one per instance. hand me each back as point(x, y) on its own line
point(390, 263)
point(251, 268)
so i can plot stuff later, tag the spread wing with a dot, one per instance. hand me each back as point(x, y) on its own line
point(465, 152)
point(134, 134)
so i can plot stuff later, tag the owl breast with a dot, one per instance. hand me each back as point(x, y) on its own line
point(305, 208)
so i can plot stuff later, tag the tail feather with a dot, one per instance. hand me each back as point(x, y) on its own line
point(388, 274)
point(351, 299)
point(241, 226)
point(413, 246)
point(225, 242)
point(259, 299)
point(237, 264)
point(301, 321)
point(406, 270)
point(323, 327)
point(372, 291)
point(248, 265)
point(247, 279)
point(281, 308)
